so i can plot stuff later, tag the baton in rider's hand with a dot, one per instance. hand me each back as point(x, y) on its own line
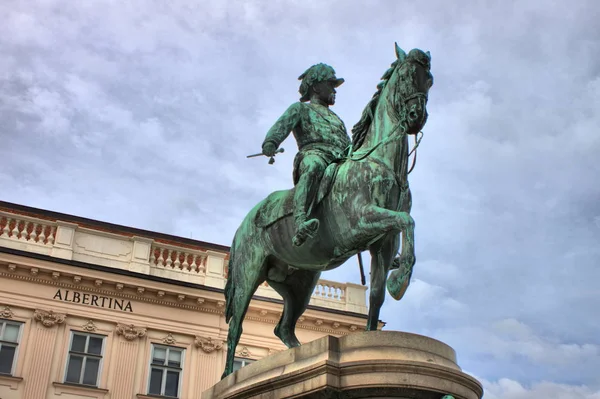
point(271, 159)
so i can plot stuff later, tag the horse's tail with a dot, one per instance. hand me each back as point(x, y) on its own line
point(230, 286)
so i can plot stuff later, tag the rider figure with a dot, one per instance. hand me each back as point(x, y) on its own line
point(321, 137)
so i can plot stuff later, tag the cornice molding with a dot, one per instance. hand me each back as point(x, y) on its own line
point(161, 297)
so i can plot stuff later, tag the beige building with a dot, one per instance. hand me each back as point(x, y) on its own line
point(96, 310)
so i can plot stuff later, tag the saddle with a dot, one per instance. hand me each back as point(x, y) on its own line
point(280, 204)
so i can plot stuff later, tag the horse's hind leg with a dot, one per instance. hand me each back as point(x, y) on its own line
point(245, 281)
point(296, 291)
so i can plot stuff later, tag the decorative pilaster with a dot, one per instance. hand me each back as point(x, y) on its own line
point(126, 360)
point(43, 342)
point(211, 361)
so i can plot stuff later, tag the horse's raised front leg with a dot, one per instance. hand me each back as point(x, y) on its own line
point(398, 281)
point(382, 255)
point(376, 220)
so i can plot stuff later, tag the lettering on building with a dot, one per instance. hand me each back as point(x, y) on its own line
point(93, 300)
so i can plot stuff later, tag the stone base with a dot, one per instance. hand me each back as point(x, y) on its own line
point(374, 364)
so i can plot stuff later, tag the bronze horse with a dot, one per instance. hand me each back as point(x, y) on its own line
point(365, 206)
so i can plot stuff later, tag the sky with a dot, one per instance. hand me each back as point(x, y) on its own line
point(141, 113)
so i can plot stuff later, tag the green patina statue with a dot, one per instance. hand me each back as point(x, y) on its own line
point(322, 139)
point(348, 196)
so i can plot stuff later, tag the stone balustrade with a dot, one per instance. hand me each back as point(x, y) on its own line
point(171, 257)
point(330, 290)
point(29, 231)
point(172, 260)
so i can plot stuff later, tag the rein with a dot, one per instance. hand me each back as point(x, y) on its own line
point(393, 136)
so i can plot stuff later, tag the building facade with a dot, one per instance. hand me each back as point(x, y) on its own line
point(96, 310)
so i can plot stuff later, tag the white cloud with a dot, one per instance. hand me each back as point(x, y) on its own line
point(142, 115)
point(506, 388)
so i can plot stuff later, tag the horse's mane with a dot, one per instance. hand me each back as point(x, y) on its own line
point(360, 130)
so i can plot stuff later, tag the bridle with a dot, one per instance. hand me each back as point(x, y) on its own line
point(400, 125)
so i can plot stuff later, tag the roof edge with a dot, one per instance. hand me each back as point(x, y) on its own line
point(31, 211)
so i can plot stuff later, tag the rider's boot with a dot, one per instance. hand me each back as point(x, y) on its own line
point(305, 229)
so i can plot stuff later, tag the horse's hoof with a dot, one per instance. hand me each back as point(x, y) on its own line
point(397, 284)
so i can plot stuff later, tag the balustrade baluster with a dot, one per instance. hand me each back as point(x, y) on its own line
point(51, 235)
point(33, 234)
point(201, 267)
point(42, 236)
point(6, 228)
point(152, 256)
point(177, 263)
point(15, 230)
point(169, 261)
point(161, 259)
point(24, 233)
point(193, 265)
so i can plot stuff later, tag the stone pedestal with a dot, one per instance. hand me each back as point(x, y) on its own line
point(374, 364)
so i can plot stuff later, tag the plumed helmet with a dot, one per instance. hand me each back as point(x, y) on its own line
point(315, 74)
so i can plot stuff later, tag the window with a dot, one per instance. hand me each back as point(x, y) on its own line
point(85, 359)
point(10, 333)
point(240, 362)
point(165, 371)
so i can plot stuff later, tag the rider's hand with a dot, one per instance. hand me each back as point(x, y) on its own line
point(269, 149)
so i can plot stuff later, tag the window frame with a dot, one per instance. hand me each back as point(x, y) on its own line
point(16, 345)
point(164, 369)
point(85, 355)
point(245, 361)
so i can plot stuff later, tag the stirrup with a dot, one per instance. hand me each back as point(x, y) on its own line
point(305, 231)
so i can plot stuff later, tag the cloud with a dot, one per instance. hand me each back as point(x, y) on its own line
point(142, 114)
point(509, 389)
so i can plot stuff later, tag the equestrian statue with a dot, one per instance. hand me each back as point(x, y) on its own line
point(349, 195)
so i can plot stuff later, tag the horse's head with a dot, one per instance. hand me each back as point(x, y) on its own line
point(409, 85)
point(401, 97)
